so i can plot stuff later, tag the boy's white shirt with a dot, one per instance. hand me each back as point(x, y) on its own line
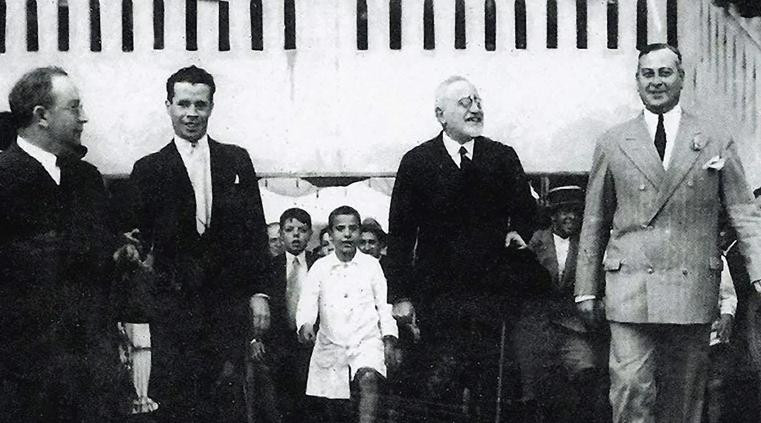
point(351, 299)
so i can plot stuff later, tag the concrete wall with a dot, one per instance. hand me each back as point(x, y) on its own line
point(327, 108)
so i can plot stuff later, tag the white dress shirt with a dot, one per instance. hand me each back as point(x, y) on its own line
point(197, 162)
point(561, 251)
point(46, 159)
point(671, 121)
point(354, 317)
point(453, 148)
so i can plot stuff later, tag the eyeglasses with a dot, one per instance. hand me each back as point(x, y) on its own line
point(467, 102)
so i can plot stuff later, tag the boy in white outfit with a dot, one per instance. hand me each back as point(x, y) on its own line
point(357, 333)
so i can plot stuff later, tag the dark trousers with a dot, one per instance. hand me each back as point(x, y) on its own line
point(462, 343)
point(276, 386)
point(197, 364)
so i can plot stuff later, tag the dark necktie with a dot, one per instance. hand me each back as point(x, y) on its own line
point(660, 137)
point(465, 162)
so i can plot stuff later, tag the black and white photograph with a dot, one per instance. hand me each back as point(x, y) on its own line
point(391, 211)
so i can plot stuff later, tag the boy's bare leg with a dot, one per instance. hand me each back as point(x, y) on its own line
point(368, 381)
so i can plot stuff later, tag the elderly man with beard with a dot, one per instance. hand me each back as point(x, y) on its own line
point(459, 201)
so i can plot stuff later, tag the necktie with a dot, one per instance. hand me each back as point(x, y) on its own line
point(465, 162)
point(197, 172)
point(292, 292)
point(660, 137)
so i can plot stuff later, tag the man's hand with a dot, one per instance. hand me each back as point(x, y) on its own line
point(260, 311)
point(723, 327)
point(757, 285)
point(591, 311)
point(306, 334)
point(256, 349)
point(403, 311)
point(514, 240)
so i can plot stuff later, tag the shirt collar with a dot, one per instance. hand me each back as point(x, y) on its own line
point(185, 147)
point(46, 158)
point(335, 262)
point(672, 115)
point(289, 258)
point(453, 147)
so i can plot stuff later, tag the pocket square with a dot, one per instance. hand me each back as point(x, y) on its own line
point(714, 163)
point(237, 180)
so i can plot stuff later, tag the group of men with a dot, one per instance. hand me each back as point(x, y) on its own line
point(461, 239)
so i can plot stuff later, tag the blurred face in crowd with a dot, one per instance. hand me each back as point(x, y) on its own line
point(326, 244)
point(566, 221)
point(66, 118)
point(659, 80)
point(190, 109)
point(345, 232)
point(274, 241)
point(459, 111)
point(369, 244)
point(295, 236)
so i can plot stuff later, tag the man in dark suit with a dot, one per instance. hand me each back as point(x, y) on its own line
point(563, 362)
point(55, 257)
point(459, 200)
point(200, 213)
point(280, 362)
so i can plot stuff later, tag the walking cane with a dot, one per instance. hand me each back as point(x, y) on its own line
point(498, 416)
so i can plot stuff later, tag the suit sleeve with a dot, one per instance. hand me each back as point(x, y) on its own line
point(599, 208)
point(142, 189)
point(744, 215)
point(403, 227)
point(523, 213)
point(256, 224)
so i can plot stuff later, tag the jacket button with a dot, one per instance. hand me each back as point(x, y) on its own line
point(642, 187)
point(644, 226)
point(684, 271)
point(690, 183)
point(650, 270)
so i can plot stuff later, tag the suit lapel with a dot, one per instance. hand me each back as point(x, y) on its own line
point(639, 148)
point(178, 175)
point(683, 158)
point(216, 167)
point(30, 168)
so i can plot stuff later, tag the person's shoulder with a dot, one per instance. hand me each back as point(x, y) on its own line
point(426, 148)
point(494, 147)
point(228, 148)
point(152, 159)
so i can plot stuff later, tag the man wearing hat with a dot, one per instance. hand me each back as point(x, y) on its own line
point(551, 334)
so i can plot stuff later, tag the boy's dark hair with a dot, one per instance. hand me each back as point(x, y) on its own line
point(660, 46)
point(343, 211)
point(378, 232)
point(34, 88)
point(296, 213)
point(194, 75)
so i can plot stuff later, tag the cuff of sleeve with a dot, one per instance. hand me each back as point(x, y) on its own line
point(580, 298)
point(261, 295)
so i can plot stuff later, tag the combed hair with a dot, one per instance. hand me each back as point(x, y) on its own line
point(661, 46)
point(298, 214)
point(379, 233)
point(193, 75)
point(342, 211)
point(34, 88)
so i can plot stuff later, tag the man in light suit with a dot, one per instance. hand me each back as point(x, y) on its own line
point(199, 212)
point(649, 245)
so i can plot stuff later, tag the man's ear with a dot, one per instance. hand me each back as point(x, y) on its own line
point(440, 116)
point(167, 103)
point(40, 114)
